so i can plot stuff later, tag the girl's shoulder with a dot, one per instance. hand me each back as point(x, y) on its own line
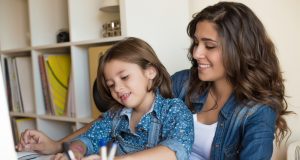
point(111, 113)
point(171, 107)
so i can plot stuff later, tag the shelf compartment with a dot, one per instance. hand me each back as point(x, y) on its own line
point(55, 129)
point(86, 20)
point(21, 114)
point(14, 20)
point(47, 18)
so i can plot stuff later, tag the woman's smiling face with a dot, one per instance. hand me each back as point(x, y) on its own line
point(208, 52)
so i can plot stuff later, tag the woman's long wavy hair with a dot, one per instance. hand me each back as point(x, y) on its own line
point(136, 51)
point(249, 57)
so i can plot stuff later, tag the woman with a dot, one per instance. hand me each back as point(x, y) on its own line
point(234, 87)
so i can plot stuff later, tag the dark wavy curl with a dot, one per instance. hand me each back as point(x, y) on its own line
point(249, 57)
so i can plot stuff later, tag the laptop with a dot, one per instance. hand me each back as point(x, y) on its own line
point(6, 136)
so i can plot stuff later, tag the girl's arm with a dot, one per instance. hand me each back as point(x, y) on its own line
point(77, 132)
point(78, 148)
point(159, 152)
point(177, 133)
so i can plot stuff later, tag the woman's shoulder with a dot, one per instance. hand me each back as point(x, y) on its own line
point(180, 82)
point(256, 110)
point(183, 74)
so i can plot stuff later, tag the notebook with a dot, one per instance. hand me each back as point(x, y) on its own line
point(6, 137)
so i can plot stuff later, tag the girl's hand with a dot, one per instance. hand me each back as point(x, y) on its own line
point(34, 140)
point(60, 156)
point(92, 157)
point(63, 156)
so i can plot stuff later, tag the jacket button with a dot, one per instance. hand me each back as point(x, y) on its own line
point(217, 145)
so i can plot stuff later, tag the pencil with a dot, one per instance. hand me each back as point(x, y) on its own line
point(112, 152)
point(71, 155)
point(103, 150)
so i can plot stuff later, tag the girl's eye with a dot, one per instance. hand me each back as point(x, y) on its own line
point(110, 85)
point(124, 77)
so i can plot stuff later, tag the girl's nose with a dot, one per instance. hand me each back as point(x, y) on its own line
point(118, 87)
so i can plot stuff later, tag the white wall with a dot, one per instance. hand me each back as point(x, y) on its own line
point(282, 21)
point(163, 26)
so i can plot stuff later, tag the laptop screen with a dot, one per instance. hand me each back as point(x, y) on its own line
point(6, 137)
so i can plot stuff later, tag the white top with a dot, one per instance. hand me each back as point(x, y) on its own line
point(204, 135)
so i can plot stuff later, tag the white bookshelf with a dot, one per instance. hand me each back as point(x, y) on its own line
point(29, 27)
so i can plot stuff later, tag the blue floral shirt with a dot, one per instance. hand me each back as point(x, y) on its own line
point(177, 132)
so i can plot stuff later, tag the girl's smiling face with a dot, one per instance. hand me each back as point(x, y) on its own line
point(128, 83)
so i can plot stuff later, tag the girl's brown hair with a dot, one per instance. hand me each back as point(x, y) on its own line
point(137, 51)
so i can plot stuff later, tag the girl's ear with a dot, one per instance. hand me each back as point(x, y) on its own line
point(151, 72)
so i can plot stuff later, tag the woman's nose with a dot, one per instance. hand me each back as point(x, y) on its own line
point(199, 52)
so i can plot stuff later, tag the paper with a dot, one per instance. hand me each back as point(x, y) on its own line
point(32, 155)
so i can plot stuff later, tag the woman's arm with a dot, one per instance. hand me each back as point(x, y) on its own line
point(259, 130)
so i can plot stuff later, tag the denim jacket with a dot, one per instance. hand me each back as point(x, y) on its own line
point(245, 133)
point(168, 123)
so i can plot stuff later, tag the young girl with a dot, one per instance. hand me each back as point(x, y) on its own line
point(145, 121)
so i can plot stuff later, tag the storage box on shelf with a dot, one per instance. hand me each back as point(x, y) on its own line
point(30, 27)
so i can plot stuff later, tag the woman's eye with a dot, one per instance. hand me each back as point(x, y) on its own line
point(210, 45)
point(196, 43)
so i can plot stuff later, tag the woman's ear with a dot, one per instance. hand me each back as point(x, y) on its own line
point(151, 72)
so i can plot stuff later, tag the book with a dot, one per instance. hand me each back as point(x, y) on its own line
point(21, 124)
point(45, 89)
point(94, 55)
point(8, 88)
point(16, 101)
point(58, 68)
point(70, 111)
point(25, 78)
